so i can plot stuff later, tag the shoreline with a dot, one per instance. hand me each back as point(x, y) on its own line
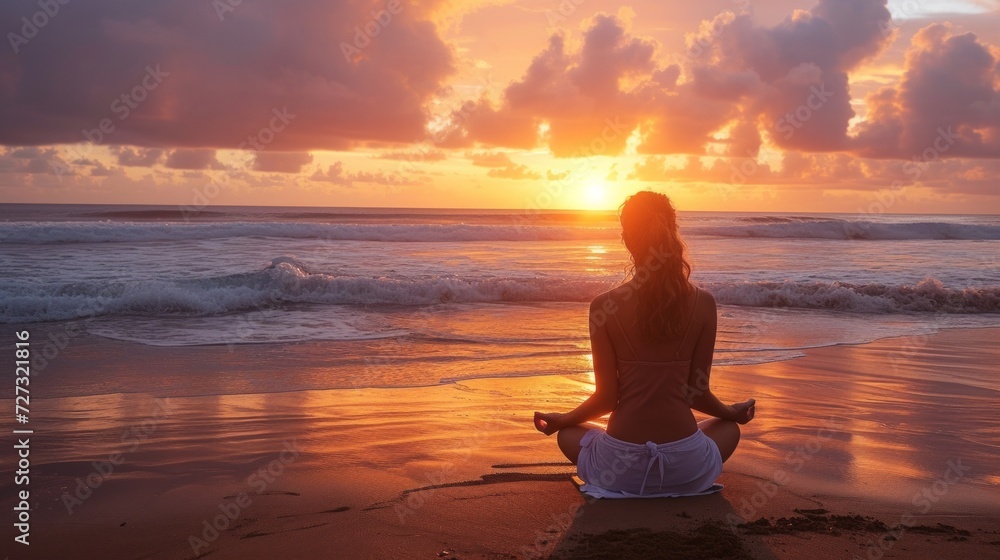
point(279, 349)
point(457, 468)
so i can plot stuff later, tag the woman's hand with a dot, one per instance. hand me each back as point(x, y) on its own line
point(548, 423)
point(744, 411)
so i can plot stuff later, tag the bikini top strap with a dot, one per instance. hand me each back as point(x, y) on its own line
point(694, 306)
point(624, 334)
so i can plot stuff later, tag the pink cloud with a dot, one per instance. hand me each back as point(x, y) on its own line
point(177, 74)
point(947, 103)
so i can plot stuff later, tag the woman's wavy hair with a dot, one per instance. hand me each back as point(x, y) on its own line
point(659, 269)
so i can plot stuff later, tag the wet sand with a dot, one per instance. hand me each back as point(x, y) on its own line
point(884, 450)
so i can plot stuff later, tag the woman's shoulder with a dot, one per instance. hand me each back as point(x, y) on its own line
point(614, 296)
point(704, 296)
point(603, 300)
point(626, 291)
point(611, 302)
point(705, 303)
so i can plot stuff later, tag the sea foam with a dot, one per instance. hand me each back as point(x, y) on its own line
point(765, 227)
point(286, 281)
point(853, 230)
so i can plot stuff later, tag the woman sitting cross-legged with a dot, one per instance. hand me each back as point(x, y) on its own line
point(652, 340)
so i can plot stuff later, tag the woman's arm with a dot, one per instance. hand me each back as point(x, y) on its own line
point(699, 393)
point(605, 397)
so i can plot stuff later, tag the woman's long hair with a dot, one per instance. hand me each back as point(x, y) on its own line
point(659, 271)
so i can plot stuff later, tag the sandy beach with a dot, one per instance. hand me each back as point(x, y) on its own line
point(297, 279)
point(883, 450)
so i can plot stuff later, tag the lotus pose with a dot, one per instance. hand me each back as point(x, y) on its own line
point(652, 340)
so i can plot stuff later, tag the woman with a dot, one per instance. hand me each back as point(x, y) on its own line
point(652, 340)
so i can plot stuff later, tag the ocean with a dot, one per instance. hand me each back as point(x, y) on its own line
point(412, 297)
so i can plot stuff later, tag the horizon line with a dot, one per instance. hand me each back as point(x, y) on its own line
point(495, 209)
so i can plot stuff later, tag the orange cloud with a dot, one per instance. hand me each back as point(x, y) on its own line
point(790, 80)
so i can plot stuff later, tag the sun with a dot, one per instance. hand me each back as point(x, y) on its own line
point(595, 194)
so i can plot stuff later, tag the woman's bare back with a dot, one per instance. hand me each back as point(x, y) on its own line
point(655, 376)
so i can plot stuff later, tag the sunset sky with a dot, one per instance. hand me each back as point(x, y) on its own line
point(726, 105)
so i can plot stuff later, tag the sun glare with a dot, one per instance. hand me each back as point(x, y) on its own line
point(595, 195)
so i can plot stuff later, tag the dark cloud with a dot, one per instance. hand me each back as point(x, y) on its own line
point(33, 161)
point(137, 157)
point(171, 74)
point(192, 159)
point(281, 162)
point(334, 174)
point(100, 170)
